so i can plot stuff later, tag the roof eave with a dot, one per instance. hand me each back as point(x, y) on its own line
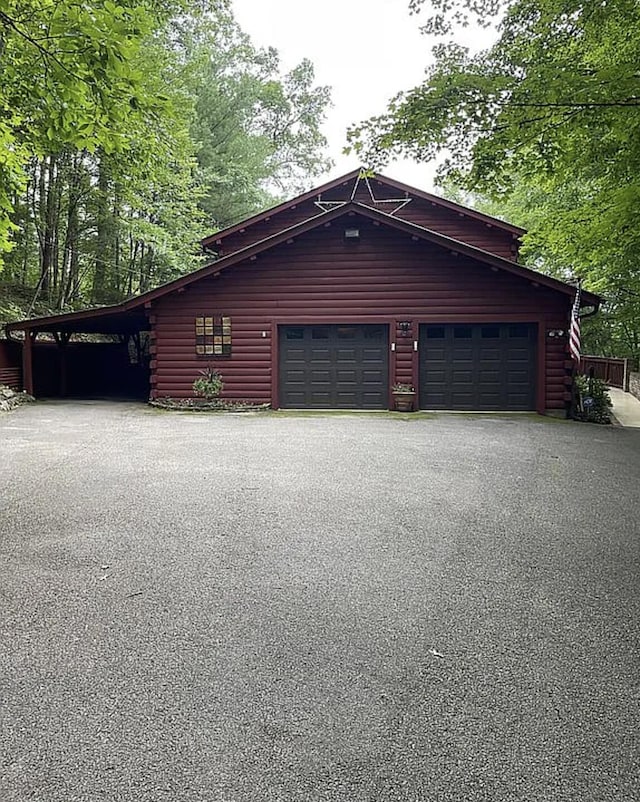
point(53, 322)
point(478, 253)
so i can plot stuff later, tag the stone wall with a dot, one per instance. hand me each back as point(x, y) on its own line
point(634, 384)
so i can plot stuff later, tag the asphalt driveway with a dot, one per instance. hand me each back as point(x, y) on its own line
point(287, 608)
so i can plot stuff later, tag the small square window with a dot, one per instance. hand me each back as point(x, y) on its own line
point(490, 332)
point(462, 332)
point(346, 332)
point(519, 330)
point(373, 332)
point(435, 332)
point(295, 334)
point(213, 335)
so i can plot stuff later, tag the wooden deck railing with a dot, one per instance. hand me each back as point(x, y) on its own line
point(615, 372)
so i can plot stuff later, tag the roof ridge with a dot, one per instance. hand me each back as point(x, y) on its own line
point(359, 172)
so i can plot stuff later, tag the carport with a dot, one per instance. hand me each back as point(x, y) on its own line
point(114, 363)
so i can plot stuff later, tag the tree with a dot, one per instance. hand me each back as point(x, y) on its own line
point(183, 127)
point(68, 79)
point(257, 133)
point(546, 123)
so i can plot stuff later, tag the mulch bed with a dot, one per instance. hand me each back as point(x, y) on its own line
point(201, 405)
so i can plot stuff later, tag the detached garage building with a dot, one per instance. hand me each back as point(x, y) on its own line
point(328, 300)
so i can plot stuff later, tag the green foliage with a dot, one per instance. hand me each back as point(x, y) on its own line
point(545, 124)
point(209, 384)
point(256, 133)
point(403, 388)
point(592, 400)
point(130, 129)
point(70, 77)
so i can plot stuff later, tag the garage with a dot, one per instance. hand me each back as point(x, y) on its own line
point(334, 367)
point(478, 367)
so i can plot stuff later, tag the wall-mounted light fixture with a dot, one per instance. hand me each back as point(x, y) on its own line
point(555, 333)
point(352, 233)
point(405, 328)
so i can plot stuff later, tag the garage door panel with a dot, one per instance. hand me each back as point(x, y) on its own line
point(484, 367)
point(347, 377)
point(462, 376)
point(462, 400)
point(488, 378)
point(375, 355)
point(321, 377)
point(517, 355)
point(462, 353)
point(375, 377)
point(335, 367)
point(518, 376)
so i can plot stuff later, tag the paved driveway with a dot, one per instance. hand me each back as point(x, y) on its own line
point(285, 608)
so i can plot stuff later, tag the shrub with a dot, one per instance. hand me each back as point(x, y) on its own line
point(591, 400)
point(403, 388)
point(209, 384)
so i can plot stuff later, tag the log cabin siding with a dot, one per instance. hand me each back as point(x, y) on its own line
point(11, 364)
point(384, 277)
point(451, 223)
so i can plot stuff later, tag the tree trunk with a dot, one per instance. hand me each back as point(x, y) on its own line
point(49, 230)
point(70, 258)
point(104, 222)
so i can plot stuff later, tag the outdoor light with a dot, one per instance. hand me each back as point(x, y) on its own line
point(404, 327)
point(555, 333)
point(352, 233)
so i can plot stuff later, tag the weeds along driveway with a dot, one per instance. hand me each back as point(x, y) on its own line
point(280, 607)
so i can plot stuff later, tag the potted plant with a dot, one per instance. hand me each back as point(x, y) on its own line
point(403, 397)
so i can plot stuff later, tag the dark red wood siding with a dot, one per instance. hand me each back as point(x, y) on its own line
point(385, 277)
point(451, 223)
point(11, 364)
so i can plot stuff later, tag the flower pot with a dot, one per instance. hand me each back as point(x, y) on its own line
point(404, 401)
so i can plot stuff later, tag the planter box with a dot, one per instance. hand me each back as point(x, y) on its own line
point(403, 402)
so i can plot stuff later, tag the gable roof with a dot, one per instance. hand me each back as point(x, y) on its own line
point(413, 229)
point(345, 180)
point(138, 303)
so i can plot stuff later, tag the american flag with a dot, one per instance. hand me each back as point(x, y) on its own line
point(574, 330)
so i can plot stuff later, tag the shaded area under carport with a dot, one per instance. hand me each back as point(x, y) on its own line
point(115, 364)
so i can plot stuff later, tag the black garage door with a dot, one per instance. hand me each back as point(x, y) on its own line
point(334, 367)
point(483, 367)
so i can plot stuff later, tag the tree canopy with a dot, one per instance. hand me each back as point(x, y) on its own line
point(546, 125)
point(129, 129)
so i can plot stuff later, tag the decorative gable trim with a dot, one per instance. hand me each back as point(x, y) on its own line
point(350, 182)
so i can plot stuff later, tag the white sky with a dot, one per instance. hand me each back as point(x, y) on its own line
point(366, 50)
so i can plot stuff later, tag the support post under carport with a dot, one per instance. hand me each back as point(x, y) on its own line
point(27, 360)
